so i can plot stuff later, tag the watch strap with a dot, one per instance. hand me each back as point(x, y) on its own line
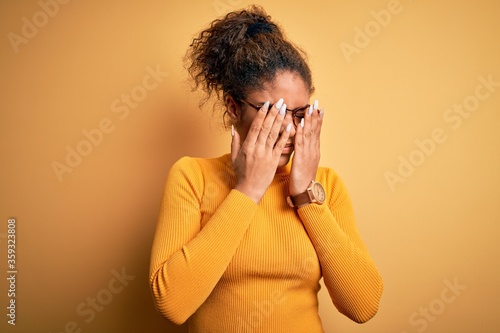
point(301, 199)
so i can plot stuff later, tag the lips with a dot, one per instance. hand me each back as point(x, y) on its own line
point(288, 148)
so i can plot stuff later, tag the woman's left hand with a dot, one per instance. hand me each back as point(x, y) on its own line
point(306, 155)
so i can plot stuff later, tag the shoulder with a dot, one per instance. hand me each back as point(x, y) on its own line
point(328, 176)
point(189, 175)
point(185, 164)
point(215, 163)
point(334, 185)
point(196, 167)
point(185, 179)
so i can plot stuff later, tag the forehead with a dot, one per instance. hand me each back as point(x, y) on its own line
point(287, 85)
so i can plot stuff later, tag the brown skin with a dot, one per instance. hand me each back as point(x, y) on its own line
point(261, 143)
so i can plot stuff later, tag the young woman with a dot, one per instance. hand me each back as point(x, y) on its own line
point(243, 239)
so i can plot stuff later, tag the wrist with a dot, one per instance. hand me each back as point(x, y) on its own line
point(314, 193)
point(249, 192)
point(296, 189)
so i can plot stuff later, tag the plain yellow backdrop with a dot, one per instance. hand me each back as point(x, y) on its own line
point(95, 109)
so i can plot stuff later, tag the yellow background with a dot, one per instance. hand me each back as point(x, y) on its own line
point(439, 226)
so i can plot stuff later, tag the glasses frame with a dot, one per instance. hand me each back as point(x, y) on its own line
point(296, 119)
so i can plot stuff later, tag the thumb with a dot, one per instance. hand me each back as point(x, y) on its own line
point(235, 143)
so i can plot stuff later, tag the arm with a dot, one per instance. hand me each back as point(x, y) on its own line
point(350, 275)
point(186, 262)
point(352, 280)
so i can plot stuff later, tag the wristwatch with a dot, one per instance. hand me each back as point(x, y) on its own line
point(314, 193)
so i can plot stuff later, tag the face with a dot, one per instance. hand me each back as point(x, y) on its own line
point(287, 85)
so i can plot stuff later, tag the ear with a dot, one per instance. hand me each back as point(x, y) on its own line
point(233, 109)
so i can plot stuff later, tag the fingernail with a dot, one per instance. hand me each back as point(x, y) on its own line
point(310, 110)
point(265, 107)
point(232, 130)
point(289, 127)
point(321, 113)
point(279, 104)
point(315, 104)
point(302, 122)
point(283, 110)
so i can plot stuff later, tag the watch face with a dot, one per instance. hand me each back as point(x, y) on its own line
point(319, 192)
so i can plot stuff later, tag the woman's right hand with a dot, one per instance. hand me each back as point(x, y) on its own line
point(256, 159)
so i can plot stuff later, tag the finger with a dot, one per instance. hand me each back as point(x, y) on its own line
point(313, 120)
point(267, 124)
point(235, 144)
point(320, 122)
point(281, 143)
point(256, 126)
point(276, 127)
point(299, 140)
point(317, 132)
point(306, 126)
point(310, 128)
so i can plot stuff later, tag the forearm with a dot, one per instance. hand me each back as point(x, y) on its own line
point(181, 281)
point(350, 275)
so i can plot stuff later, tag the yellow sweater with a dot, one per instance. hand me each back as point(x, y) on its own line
point(230, 265)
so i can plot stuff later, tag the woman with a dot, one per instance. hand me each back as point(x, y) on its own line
point(243, 240)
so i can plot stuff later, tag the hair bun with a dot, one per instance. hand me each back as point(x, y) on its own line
point(259, 27)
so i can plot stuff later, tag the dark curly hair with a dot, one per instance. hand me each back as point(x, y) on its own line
point(240, 52)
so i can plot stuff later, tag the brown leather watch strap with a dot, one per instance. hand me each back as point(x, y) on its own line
point(301, 199)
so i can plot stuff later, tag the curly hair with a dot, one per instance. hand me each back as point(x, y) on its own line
point(240, 52)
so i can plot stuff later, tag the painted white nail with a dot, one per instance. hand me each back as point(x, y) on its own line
point(315, 104)
point(279, 103)
point(266, 106)
point(232, 130)
point(302, 122)
point(283, 110)
point(321, 113)
point(310, 112)
point(289, 127)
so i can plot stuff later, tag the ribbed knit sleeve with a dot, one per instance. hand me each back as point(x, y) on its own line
point(350, 275)
point(188, 260)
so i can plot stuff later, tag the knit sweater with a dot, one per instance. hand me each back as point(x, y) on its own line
point(227, 264)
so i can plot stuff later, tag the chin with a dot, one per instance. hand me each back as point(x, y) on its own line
point(284, 159)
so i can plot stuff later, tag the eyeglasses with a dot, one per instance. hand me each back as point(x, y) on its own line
point(297, 114)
